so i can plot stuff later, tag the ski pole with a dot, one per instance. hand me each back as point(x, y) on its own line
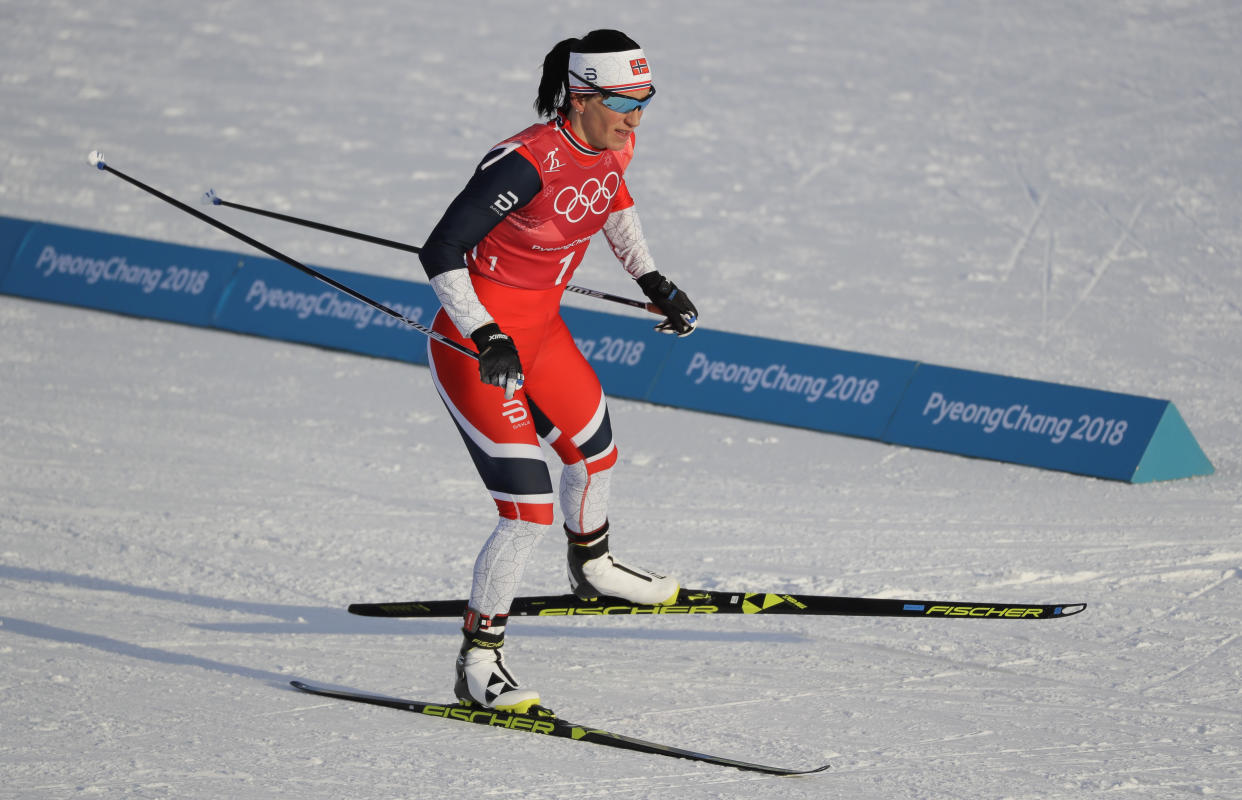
point(96, 160)
point(211, 198)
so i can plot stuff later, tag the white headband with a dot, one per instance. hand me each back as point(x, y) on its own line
point(626, 71)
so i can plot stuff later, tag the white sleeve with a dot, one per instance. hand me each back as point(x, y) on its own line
point(625, 237)
point(461, 303)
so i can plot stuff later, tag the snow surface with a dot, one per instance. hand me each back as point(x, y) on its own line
point(1050, 190)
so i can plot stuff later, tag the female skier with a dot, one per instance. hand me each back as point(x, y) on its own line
point(499, 261)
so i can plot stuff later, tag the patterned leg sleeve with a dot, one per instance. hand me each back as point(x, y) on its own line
point(499, 567)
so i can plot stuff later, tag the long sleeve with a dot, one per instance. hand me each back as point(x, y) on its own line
point(505, 180)
point(625, 237)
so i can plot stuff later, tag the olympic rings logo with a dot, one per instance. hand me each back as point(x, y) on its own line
point(594, 196)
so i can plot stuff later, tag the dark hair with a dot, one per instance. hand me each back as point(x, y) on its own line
point(554, 83)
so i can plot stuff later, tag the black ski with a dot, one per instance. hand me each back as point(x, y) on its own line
point(701, 601)
point(545, 725)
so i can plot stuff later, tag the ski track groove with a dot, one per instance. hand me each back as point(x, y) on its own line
point(708, 706)
point(1045, 286)
point(1105, 262)
point(958, 668)
point(1229, 640)
point(1226, 577)
point(1010, 263)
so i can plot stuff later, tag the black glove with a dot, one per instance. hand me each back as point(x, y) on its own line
point(672, 302)
point(499, 364)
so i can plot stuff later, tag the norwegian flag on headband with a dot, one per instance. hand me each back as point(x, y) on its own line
point(639, 66)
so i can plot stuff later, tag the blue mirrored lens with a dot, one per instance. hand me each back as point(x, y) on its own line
point(624, 105)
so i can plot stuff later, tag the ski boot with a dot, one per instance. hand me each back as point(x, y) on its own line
point(593, 572)
point(482, 677)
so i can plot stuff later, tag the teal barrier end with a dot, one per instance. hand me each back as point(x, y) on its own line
point(1172, 452)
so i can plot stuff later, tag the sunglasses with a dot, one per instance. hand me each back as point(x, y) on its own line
point(621, 103)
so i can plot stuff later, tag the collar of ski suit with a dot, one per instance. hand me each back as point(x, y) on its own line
point(567, 131)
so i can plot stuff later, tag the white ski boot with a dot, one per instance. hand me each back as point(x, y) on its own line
point(593, 572)
point(482, 677)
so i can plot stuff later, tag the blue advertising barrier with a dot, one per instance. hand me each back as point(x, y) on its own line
point(119, 273)
point(12, 232)
point(793, 384)
point(1040, 424)
point(268, 298)
point(626, 352)
point(1054, 426)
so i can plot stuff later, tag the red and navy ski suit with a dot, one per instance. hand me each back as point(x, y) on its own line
point(520, 228)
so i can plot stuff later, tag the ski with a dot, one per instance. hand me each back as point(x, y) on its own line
point(546, 725)
point(701, 601)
